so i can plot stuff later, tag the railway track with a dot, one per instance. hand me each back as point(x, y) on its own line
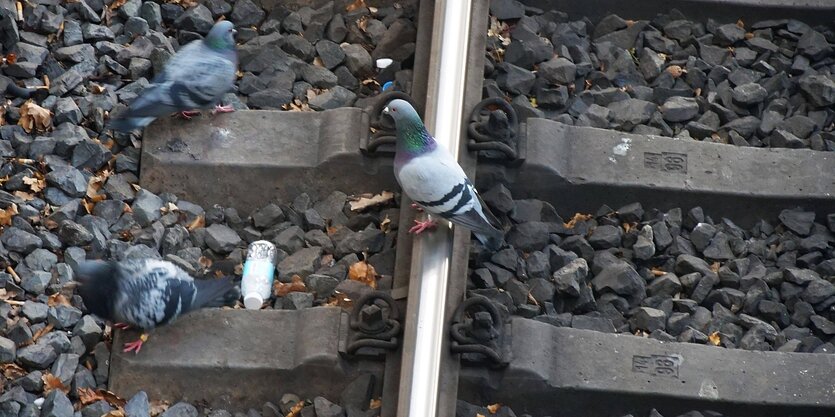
point(652, 263)
point(532, 366)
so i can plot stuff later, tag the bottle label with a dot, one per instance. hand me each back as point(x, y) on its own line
point(258, 277)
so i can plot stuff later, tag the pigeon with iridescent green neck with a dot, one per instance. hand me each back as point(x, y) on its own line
point(432, 178)
point(196, 77)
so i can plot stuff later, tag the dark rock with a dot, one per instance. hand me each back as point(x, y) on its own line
point(605, 237)
point(246, 13)
point(138, 405)
point(56, 404)
point(557, 70)
point(679, 109)
point(749, 94)
point(648, 319)
point(196, 19)
point(515, 80)
point(621, 279)
point(221, 238)
point(819, 89)
point(181, 410)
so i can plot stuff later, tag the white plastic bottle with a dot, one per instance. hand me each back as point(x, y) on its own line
point(259, 271)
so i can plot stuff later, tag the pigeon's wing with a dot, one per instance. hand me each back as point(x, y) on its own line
point(438, 184)
point(152, 293)
point(196, 77)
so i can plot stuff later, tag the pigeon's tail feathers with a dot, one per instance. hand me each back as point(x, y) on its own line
point(477, 221)
point(98, 284)
point(127, 124)
point(491, 242)
point(215, 292)
point(89, 271)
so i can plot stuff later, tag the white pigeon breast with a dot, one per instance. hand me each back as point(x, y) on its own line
point(435, 177)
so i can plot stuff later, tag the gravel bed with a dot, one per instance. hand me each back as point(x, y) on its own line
point(68, 191)
point(672, 276)
point(46, 333)
point(761, 84)
point(465, 409)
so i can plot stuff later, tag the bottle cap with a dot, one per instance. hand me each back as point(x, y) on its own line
point(253, 301)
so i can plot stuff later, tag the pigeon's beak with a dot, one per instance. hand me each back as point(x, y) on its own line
point(386, 110)
point(234, 32)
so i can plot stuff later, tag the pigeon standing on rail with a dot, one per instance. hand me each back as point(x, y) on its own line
point(146, 293)
point(432, 178)
point(196, 77)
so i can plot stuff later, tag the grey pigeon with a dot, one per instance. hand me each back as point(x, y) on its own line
point(196, 77)
point(146, 293)
point(432, 178)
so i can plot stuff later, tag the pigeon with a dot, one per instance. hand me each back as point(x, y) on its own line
point(196, 77)
point(147, 293)
point(432, 178)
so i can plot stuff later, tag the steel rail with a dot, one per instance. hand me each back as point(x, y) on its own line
point(425, 321)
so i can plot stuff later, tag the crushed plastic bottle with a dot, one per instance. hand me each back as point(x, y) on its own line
point(258, 274)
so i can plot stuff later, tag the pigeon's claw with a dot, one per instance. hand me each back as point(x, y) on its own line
point(421, 226)
point(136, 345)
point(188, 114)
point(122, 326)
point(223, 109)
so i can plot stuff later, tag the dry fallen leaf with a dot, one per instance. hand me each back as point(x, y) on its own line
point(10, 58)
point(578, 217)
point(115, 413)
point(385, 225)
point(363, 272)
point(676, 71)
point(205, 262)
point(159, 407)
point(58, 299)
point(365, 202)
point(493, 408)
point(296, 284)
point(197, 223)
point(117, 4)
point(87, 396)
point(23, 195)
point(375, 403)
point(714, 339)
point(13, 371)
point(36, 184)
point(46, 329)
point(340, 300)
point(657, 272)
point(479, 415)
point(88, 205)
point(296, 409)
point(51, 382)
point(715, 267)
point(7, 214)
point(355, 5)
point(34, 117)
point(740, 23)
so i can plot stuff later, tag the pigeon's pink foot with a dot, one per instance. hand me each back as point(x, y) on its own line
point(136, 345)
point(123, 326)
point(421, 226)
point(223, 109)
point(418, 208)
point(188, 114)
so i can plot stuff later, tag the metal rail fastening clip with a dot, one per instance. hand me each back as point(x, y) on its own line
point(374, 327)
point(480, 332)
point(493, 132)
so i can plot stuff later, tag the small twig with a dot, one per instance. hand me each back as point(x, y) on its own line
point(14, 274)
